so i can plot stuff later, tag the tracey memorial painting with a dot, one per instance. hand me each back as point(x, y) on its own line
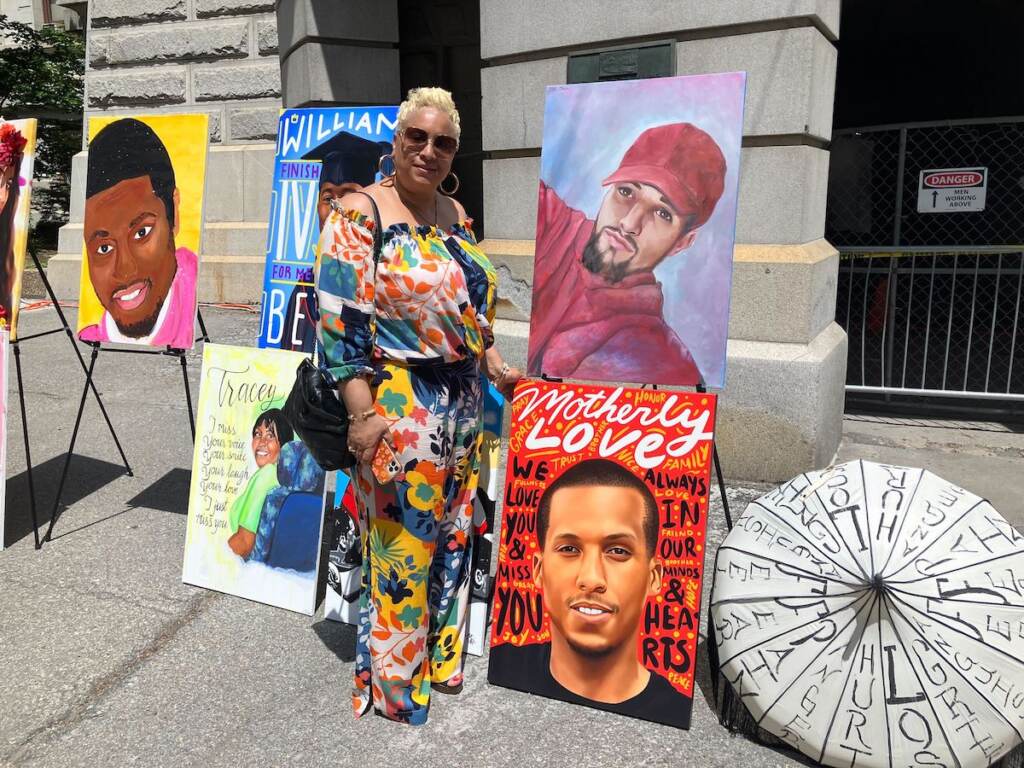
point(255, 510)
point(17, 153)
point(143, 218)
point(635, 227)
point(601, 553)
point(322, 154)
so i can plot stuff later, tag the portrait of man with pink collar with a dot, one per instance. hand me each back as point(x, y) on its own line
point(144, 280)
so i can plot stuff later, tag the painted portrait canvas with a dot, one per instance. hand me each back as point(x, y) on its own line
point(601, 547)
point(488, 490)
point(256, 501)
point(322, 154)
point(636, 221)
point(5, 339)
point(344, 555)
point(17, 154)
point(142, 227)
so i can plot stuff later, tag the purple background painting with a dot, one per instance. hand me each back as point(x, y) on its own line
point(587, 129)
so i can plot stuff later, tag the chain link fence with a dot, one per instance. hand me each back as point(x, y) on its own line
point(931, 302)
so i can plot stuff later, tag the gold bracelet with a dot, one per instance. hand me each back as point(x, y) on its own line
point(352, 417)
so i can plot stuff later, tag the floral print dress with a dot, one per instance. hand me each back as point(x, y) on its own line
point(418, 323)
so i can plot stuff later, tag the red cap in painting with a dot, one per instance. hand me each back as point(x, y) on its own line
point(682, 161)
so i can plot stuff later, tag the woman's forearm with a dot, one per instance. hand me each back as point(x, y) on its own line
point(493, 362)
point(356, 394)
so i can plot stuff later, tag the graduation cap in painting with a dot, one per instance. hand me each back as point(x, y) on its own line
point(348, 158)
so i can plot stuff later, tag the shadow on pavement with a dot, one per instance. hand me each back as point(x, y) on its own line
point(168, 494)
point(339, 638)
point(85, 476)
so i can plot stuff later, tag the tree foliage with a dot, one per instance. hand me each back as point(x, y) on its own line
point(41, 75)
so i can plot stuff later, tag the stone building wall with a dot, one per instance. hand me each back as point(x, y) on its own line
point(781, 409)
point(174, 56)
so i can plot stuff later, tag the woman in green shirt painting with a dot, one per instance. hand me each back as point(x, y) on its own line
point(269, 433)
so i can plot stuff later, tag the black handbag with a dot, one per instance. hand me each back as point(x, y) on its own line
point(315, 410)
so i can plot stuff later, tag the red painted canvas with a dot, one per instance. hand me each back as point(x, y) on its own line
point(601, 555)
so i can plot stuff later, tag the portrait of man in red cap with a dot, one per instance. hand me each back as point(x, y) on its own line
point(598, 310)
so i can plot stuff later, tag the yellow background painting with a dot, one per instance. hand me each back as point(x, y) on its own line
point(27, 128)
point(186, 138)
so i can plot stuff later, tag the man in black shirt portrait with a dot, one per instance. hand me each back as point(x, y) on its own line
point(597, 526)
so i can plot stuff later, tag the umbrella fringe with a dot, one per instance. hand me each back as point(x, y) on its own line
point(731, 711)
point(1013, 760)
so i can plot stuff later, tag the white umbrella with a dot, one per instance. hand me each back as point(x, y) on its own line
point(872, 615)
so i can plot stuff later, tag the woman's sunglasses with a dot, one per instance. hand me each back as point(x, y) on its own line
point(416, 139)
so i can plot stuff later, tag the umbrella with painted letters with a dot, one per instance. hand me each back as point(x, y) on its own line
point(873, 615)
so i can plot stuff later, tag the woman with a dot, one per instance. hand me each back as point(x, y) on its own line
point(269, 433)
point(12, 147)
point(406, 341)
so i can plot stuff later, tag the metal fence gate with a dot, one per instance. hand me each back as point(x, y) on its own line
point(931, 302)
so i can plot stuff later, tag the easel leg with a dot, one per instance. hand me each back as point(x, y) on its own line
point(71, 449)
point(28, 450)
point(99, 401)
point(202, 327)
point(81, 360)
point(188, 396)
point(721, 487)
point(702, 389)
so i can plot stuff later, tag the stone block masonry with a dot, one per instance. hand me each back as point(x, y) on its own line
point(218, 57)
point(213, 56)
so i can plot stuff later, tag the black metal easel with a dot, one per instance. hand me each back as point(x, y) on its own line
point(16, 344)
point(96, 347)
point(702, 389)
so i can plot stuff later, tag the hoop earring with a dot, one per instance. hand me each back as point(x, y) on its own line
point(380, 166)
point(453, 190)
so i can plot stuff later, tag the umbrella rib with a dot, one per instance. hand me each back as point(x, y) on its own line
point(956, 669)
point(787, 631)
point(903, 521)
point(776, 598)
point(959, 568)
point(951, 599)
point(849, 674)
point(818, 656)
point(885, 713)
point(931, 706)
point(867, 517)
point(938, 620)
point(815, 576)
point(793, 528)
point(839, 535)
point(937, 538)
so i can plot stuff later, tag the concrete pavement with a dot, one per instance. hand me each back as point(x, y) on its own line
point(109, 660)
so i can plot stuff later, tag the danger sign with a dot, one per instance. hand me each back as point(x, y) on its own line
point(952, 190)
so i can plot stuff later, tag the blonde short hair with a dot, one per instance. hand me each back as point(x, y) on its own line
point(438, 98)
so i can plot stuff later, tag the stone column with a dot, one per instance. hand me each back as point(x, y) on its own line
point(781, 410)
point(173, 56)
point(339, 53)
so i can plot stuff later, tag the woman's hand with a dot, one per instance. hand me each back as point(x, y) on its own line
point(503, 376)
point(242, 541)
point(364, 435)
point(507, 383)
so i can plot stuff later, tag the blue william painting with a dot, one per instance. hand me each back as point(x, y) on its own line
point(322, 154)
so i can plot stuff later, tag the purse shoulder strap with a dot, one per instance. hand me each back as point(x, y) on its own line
point(378, 235)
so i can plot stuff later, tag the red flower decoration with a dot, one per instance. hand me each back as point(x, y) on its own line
point(12, 144)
